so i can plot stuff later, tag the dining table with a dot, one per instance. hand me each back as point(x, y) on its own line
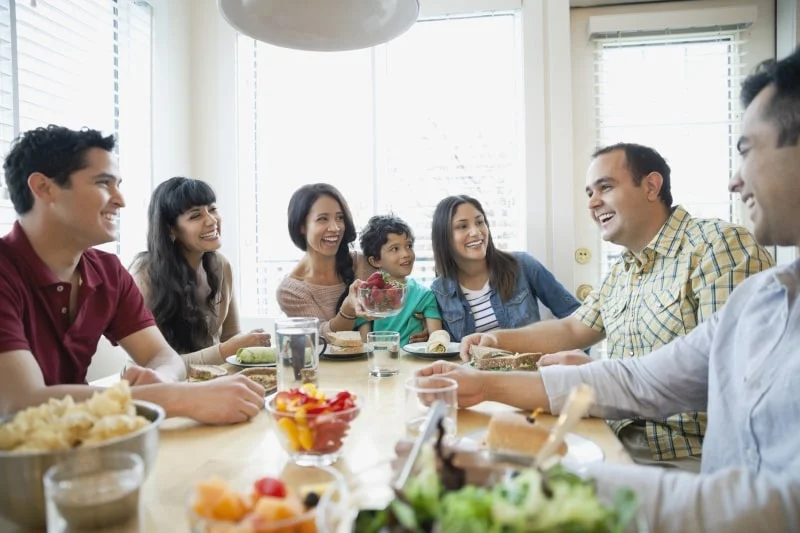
point(190, 452)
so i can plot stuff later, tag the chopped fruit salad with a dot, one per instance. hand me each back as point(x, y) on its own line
point(271, 507)
point(311, 421)
point(381, 294)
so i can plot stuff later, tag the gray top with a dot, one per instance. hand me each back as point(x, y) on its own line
point(742, 366)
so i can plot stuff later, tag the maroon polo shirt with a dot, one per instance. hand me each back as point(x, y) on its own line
point(34, 308)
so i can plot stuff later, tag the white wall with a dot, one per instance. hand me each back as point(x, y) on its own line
point(559, 134)
point(172, 125)
point(760, 45)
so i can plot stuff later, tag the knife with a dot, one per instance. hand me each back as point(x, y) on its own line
point(435, 414)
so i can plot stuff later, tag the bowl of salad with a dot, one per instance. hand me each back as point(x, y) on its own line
point(312, 423)
point(454, 490)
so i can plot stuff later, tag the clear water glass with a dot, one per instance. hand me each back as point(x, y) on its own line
point(383, 353)
point(421, 392)
point(298, 351)
point(94, 491)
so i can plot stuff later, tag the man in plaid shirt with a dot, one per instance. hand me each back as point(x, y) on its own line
point(676, 271)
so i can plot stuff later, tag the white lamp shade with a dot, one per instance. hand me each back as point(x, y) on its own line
point(321, 25)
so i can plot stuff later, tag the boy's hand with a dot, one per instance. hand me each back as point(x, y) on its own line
point(421, 336)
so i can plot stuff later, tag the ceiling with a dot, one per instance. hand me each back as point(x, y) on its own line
point(595, 3)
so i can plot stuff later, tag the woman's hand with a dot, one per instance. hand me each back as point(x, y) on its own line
point(352, 306)
point(256, 337)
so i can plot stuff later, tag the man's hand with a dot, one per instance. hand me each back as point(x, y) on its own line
point(139, 375)
point(226, 400)
point(476, 339)
point(470, 381)
point(569, 357)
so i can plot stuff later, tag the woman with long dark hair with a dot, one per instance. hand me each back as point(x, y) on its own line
point(480, 288)
point(324, 282)
point(186, 283)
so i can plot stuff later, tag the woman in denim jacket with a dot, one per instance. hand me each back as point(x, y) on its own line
point(480, 288)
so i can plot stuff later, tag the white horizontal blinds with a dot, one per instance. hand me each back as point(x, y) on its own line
point(7, 132)
point(395, 128)
point(65, 59)
point(132, 111)
point(449, 109)
point(678, 94)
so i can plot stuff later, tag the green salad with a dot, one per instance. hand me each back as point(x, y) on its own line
point(524, 501)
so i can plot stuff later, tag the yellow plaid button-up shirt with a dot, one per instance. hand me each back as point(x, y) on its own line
point(686, 274)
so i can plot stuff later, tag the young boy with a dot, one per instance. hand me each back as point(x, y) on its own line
point(388, 244)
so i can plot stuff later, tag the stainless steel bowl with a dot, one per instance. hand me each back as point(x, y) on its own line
point(22, 500)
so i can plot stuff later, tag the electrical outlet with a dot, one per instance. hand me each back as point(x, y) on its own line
point(582, 256)
point(583, 291)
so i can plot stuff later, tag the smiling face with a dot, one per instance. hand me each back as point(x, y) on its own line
point(324, 226)
point(627, 214)
point(87, 208)
point(197, 230)
point(768, 179)
point(471, 236)
point(397, 256)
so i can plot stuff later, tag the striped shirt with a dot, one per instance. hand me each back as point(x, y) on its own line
point(684, 276)
point(481, 307)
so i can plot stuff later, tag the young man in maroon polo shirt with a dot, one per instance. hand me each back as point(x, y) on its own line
point(58, 295)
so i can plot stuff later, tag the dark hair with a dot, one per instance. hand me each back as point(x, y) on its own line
point(172, 295)
point(376, 233)
point(55, 151)
point(784, 108)
point(503, 267)
point(641, 161)
point(300, 204)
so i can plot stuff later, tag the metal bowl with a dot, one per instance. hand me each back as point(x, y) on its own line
point(25, 503)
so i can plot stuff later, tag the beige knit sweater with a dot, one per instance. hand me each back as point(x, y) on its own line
point(300, 298)
point(223, 325)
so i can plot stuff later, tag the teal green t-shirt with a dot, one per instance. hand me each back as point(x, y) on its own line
point(419, 299)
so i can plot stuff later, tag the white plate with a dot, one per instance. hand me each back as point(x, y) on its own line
point(419, 349)
point(231, 360)
point(580, 450)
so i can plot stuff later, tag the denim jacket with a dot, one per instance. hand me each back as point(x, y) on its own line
point(534, 283)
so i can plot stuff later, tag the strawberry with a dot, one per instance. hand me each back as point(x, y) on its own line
point(375, 280)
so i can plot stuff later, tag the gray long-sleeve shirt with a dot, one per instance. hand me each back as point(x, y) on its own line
point(742, 366)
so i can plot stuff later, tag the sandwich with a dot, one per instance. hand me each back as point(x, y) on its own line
point(438, 342)
point(515, 432)
point(266, 377)
point(205, 372)
point(484, 358)
point(344, 343)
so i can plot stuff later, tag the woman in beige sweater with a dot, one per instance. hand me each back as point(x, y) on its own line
point(186, 283)
point(324, 282)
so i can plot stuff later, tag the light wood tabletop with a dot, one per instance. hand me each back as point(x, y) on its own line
point(189, 452)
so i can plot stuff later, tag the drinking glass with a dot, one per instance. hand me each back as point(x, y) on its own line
point(421, 392)
point(94, 491)
point(383, 352)
point(298, 351)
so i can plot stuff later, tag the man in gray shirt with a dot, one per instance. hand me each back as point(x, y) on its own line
point(742, 365)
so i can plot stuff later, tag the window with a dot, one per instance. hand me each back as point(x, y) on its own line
point(79, 63)
point(396, 128)
point(678, 94)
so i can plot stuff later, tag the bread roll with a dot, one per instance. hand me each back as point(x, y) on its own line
point(512, 432)
point(344, 338)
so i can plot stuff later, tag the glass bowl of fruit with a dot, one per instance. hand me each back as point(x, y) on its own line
point(312, 423)
point(381, 296)
point(268, 504)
